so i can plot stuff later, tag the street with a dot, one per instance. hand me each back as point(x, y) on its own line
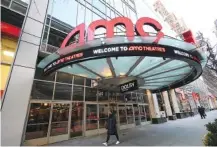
point(182, 132)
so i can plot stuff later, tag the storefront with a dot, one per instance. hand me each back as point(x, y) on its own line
point(64, 106)
point(68, 69)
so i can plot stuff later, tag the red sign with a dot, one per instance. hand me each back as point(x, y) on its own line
point(188, 37)
point(195, 96)
point(10, 29)
point(109, 26)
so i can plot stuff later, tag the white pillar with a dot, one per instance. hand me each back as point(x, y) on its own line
point(17, 93)
point(153, 106)
point(167, 103)
point(156, 106)
point(210, 103)
point(174, 101)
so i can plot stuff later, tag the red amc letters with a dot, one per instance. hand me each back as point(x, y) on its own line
point(109, 26)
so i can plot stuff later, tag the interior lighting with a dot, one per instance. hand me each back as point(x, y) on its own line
point(8, 53)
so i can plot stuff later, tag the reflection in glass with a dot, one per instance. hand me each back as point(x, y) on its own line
point(62, 92)
point(130, 118)
point(42, 90)
point(142, 113)
point(102, 95)
point(91, 94)
point(78, 80)
point(37, 125)
point(60, 117)
point(88, 82)
point(91, 117)
point(64, 77)
point(112, 96)
point(148, 114)
point(122, 114)
point(76, 119)
point(103, 115)
point(78, 93)
point(136, 114)
point(18, 7)
point(38, 75)
point(120, 97)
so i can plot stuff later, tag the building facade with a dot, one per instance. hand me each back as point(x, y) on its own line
point(64, 105)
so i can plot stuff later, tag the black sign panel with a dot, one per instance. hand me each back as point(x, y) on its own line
point(129, 86)
point(118, 50)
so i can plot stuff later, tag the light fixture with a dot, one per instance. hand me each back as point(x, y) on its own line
point(8, 53)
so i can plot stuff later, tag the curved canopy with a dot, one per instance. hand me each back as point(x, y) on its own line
point(113, 61)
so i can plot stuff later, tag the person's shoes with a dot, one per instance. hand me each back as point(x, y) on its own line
point(118, 142)
point(105, 143)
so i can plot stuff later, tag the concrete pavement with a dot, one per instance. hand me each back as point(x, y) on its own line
point(182, 132)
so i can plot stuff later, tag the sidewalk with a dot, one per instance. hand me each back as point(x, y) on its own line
point(188, 131)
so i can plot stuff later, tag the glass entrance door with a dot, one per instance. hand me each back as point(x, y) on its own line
point(136, 114)
point(76, 127)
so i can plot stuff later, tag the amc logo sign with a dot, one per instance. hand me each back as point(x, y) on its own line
point(129, 86)
point(109, 26)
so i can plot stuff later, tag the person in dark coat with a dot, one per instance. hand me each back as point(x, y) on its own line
point(201, 112)
point(111, 128)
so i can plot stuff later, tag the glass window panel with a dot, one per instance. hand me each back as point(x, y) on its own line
point(142, 113)
point(133, 16)
point(78, 93)
point(38, 119)
point(91, 117)
point(140, 97)
point(120, 97)
point(170, 65)
point(64, 77)
point(60, 117)
point(118, 64)
point(77, 70)
point(18, 7)
point(62, 92)
point(88, 17)
point(145, 64)
point(185, 70)
point(122, 114)
point(99, 5)
point(70, 7)
point(56, 37)
point(129, 109)
point(119, 6)
point(112, 96)
point(76, 119)
point(102, 95)
point(42, 90)
point(81, 14)
point(88, 82)
point(91, 94)
point(103, 115)
point(100, 66)
point(148, 114)
point(38, 75)
point(78, 80)
point(22, 2)
point(5, 2)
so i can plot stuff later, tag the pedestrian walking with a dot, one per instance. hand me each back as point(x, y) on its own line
point(111, 127)
point(203, 112)
point(200, 110)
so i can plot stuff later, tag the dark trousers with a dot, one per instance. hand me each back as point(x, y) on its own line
point(108, 136)
point(202, 115)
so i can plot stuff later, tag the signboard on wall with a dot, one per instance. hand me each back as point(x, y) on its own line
point(129, 86)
